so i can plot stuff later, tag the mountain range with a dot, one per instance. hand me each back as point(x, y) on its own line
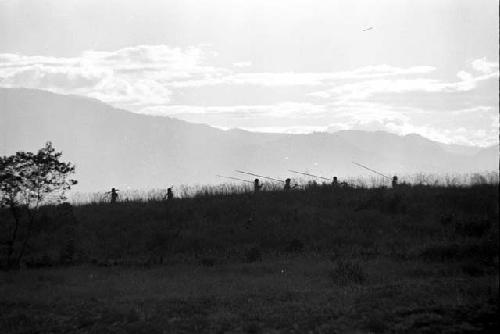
point(116, 148)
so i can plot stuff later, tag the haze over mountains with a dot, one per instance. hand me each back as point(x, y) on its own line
point(113, 147)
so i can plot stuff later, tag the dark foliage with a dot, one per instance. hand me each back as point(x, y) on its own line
point(347, 272)
point(295, 246)
point(253, 255)
point(27, 181)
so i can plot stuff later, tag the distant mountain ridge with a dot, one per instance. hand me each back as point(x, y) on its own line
point(113, 147)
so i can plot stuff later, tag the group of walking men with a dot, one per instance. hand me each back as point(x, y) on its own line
point(335, 183)
point(257, 187)
point(114, 194)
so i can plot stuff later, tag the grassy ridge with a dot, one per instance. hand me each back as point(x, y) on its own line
point(410, 259)
point(402, 222)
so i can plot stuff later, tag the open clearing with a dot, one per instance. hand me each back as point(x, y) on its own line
point(297, 294)
point(412, 259)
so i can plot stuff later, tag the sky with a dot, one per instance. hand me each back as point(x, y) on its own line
point(295, 66)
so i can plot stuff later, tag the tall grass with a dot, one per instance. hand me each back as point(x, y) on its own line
point(420, 257)
point(226, 221)
point(233, 188)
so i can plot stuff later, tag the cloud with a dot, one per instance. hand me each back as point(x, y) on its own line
point(484, 66)
point(276, 79)
point(286, 129)
point(134, 76)
point(364, 89)
point(171, 81)
point(242, 64)
point(470, 126)
point(148, 74)
point(289, 110)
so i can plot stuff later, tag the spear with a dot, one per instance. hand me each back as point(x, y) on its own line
point(371, 170)
point(234, 178)
point(257, 175)
point(303, 173)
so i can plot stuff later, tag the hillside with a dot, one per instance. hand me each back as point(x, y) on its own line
point(112, 147)
point(417, 259)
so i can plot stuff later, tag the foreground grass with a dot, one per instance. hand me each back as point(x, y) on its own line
point(412, 259)
point(293, 294)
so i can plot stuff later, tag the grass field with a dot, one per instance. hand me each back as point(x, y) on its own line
point(411, 259)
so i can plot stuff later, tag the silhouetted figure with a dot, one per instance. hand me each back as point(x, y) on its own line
point(170, 194)
point(114, 194)
point(394, 181)
point(335, 182)
point(287, 185)
point(256, 185)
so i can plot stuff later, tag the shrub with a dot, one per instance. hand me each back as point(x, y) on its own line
point(295, 246)
point(208, 261)
point(394, 204)
point(253, 255)
point(347, 272)
point(67, 253)
point(484, 251)
point(27, 181)
point(472, 227)
point(473, 269)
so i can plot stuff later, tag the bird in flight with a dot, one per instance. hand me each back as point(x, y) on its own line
point(367, 29)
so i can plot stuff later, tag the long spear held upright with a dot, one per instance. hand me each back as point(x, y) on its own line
point(234, 178)
point(257, 175)
point(371, 170)
point(303, 173)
